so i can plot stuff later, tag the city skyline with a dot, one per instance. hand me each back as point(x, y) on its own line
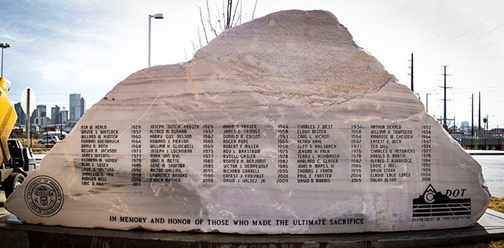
point(39, 116)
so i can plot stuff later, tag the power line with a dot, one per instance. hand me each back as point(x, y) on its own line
point(493, 86)
point(477, 38)
point(469, 30)
point(477, 25)
point(484, 47)
point(464, 90)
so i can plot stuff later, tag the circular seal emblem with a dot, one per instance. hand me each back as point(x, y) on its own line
point(44, 196)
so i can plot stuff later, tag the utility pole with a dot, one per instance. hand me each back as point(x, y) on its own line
point(472, 114)
point(412, 73)
point(479, 112)
point(444, 99)
point(28, 128)
point(454, 124)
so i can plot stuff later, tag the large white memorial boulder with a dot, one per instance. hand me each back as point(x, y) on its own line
point(279, 125)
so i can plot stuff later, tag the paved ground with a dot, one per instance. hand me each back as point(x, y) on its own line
point(489, 227)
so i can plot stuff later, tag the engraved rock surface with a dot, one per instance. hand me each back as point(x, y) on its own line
point(280, 125)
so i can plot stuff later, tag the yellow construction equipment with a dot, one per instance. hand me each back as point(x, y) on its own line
point(8, 118)
point(16, 161)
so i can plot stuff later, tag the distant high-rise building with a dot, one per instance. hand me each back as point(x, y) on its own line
point(465, 125)
point(42, 110)
point(75, 107)
point(20, 113)
point(41, 121)
point(83, 107)
point(64, 116)
point(40, 116)
point(34, 115)
point(55, 115)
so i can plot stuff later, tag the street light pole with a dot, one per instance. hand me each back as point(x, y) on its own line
point(156, 16)
point(3, 46)
point(427, 102)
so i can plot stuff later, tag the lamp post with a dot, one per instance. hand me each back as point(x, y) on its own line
point(3, 46)
point(427, 102)
point(485, 121)
point(156, 16)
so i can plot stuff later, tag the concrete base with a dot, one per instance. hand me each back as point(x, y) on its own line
point(18, 235)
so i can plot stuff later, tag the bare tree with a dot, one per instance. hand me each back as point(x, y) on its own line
point(213, 23)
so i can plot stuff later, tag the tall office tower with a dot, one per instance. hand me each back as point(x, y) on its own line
point(64, 116)
point(83, 107)
point(55, 115)
point(42, 110)
point(75, 107)
point(21, 114)
point(34, 115)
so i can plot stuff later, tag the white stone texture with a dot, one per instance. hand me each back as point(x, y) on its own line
point(290, 68)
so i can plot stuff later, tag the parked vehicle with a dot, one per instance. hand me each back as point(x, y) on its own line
point(48, 140)
point(60, 135)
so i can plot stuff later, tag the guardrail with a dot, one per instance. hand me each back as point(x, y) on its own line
point(482, 143)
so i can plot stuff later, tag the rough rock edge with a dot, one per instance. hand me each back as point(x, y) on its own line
point(299, 97)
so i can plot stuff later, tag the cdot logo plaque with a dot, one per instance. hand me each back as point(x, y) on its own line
point(433, 203)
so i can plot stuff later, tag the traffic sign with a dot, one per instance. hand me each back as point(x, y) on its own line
point(28, 93)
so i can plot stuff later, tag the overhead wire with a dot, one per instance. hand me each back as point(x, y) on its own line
point(484, 47)
point(479, 37)
point(469, 30)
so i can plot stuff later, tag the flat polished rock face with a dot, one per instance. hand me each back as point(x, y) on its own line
point(280, 125)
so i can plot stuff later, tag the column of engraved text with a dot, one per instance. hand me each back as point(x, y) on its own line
point(283, 154)
point(208, 153)
point(136, 155)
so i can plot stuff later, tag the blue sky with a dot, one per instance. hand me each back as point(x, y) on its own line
point(59, 47)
